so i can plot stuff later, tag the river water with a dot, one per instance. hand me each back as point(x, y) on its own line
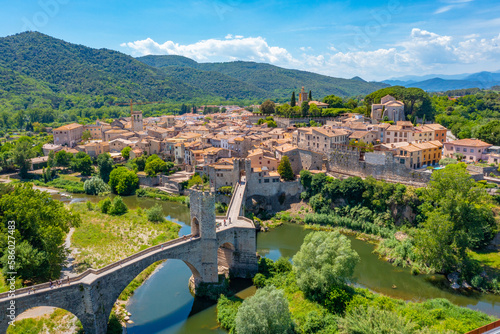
point(164, 304)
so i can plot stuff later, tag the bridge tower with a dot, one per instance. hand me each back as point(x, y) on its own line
point(202, 209)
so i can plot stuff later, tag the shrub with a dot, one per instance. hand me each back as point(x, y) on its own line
point(105, 205)
point(227, 308)
point(265, 312)
point(155, 214)
point(119, 207)
point(90, 207)
point(95, 186)
point(141, 192)
point(372, 320)
point(259, 280)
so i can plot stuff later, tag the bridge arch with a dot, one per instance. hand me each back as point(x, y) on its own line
point(195, 226)
point(40, 313)
point(113, 285)
point(225, 258)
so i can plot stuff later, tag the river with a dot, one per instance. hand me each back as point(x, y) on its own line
point(164, 304)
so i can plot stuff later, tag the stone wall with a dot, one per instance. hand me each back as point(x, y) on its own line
point(149, 181)
point(380, 165)
point(304, 159)
point(284, 122)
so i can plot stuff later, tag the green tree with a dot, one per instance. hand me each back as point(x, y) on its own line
point(141, 162)
point(86, 135)
point(264, 313)
point(310, 96)
point(325, 259)
point(333, 101)
point(306, 178)
point(21, 156)
point(82, 163)
point(458, 218)
point(123, 181)
point(155, 165)
point(63, 158)
point(105, 165)
point(195, 179)
point(285, 169)
point(304, 108)
point(41, 226)
point(267, 107)
point(293, 101)
point(351, 104)
point(490, 132)
point(126, 152)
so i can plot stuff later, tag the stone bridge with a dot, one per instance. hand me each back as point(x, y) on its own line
point(91, 295)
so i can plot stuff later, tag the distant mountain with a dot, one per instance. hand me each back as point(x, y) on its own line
point(77, 69)
point(34, 65)
point(274, 81)
point(435, 83)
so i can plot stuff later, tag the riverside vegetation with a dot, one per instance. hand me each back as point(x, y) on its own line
point(442, 228)
point(314, 295)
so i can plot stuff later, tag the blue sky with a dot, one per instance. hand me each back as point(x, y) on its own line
point(372, 39)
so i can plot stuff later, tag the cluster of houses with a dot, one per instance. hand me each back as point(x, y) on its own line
point(202, 142)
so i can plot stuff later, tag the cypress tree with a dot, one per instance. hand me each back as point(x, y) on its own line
point(310, 96)
point(293, 102)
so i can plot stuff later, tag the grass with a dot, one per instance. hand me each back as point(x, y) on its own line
point(75, 187)
point(158, 194)
point(490, 258)
point(59, 321)
point(102, 239)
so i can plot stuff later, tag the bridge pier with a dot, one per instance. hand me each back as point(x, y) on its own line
point(91, 295)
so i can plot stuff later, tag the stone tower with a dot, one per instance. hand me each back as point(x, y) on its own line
point(202, 209)
point(136, 117)
point(303, 96)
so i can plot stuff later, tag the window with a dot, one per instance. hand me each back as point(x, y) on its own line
point(471, 150)
point(465, 150)
point(266, 180)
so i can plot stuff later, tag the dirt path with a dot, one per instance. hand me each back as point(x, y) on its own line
point(69, 269)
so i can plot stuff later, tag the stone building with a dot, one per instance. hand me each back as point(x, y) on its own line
point(137, 122)
point(321, 140)
point(388, 107)
point(68, 135)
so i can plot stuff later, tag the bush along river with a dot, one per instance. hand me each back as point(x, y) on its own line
point(164, 304)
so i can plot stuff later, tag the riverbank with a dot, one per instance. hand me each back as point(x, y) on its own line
point(341, 307)
point(395, 247)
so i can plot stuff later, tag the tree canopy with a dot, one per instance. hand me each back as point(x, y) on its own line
point(123, 181)
point(324, 259)
point(285, 169)
point(41, 224)
point(266, 312)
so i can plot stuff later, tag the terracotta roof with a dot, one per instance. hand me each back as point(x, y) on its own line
point(68, 127)
point(358, 134)
point(469, 142)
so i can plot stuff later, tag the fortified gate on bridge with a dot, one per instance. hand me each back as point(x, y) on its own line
point(91, 295)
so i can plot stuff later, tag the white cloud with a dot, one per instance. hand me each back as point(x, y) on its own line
point(423, 52)
point(239, 47)
point(453, 4)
